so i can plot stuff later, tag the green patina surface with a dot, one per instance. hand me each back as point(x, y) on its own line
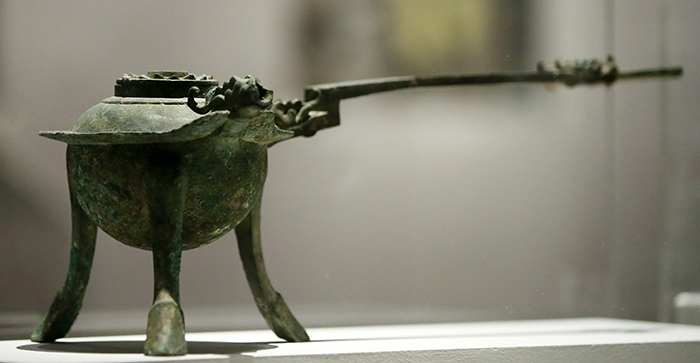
point(111, 183)
point(157, 176)
point(173, 162)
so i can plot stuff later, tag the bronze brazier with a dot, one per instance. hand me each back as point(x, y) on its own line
point(173, 162)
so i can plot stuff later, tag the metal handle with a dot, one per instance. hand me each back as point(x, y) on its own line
point(321, 108)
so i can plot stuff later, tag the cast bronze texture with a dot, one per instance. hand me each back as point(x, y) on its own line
point(173, 162)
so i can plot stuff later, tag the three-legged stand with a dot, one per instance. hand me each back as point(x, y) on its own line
point(165, 334)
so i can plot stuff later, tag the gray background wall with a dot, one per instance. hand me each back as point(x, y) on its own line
point(493, 203)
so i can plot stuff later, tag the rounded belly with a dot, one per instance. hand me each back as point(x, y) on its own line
point(224, 179)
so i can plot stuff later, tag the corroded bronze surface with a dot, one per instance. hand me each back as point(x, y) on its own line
point(156, 175)
point(111, 186)
point(173, 162)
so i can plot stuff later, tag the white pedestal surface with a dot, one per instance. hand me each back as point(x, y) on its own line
point(562, 340)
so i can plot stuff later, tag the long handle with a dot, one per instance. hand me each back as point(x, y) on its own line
point(352, 89)
point(321, 106)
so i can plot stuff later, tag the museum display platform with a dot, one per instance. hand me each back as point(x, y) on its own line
point(560, 340)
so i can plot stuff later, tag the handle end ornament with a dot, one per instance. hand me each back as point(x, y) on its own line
point(588, 71)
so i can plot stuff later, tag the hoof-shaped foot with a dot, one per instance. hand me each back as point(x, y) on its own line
point(42, 335)
point(284, 324)
point(165, 334)
point(55, 325)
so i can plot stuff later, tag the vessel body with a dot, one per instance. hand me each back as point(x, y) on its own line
point(110, 182)
point(224, 176)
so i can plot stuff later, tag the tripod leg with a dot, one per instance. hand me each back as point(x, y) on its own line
point(165, 334)
point(66, 305)
point(270, 303)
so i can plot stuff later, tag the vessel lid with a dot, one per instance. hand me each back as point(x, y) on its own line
point(162, 84)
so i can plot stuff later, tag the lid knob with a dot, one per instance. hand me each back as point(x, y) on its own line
point(162, 84)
